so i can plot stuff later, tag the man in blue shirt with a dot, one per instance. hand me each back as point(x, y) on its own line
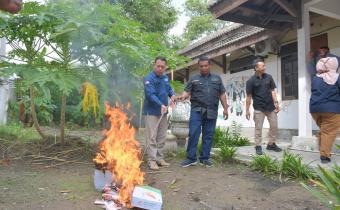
point(157, 91)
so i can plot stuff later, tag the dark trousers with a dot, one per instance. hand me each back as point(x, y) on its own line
point(199, 122)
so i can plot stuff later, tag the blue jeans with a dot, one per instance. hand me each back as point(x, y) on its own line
point(198, 123)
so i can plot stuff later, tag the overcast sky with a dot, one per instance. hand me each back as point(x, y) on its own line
point(178, 29)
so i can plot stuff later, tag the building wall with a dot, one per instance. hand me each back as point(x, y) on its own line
point(288, 116)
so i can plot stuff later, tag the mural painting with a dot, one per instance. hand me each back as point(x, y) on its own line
point(236, 94)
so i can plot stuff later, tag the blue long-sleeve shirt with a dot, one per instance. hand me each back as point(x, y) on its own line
point(157, 91)
point(325, 97)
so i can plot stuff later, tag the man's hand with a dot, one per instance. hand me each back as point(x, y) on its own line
point(225, 114)
point(248, 115)
point(173, 98)
point(172, 101)
point(277, 107)
point(164, 109)
point(181, 97)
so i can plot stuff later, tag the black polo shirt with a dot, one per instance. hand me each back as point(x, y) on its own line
point(261, 92)
point(205, 93)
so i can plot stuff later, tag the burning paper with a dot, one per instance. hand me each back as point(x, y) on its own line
point(120, 153)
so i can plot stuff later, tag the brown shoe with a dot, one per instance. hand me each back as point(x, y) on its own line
point(153, 165)
point(163, 163)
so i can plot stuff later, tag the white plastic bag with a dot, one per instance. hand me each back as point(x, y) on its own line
point(181, 111)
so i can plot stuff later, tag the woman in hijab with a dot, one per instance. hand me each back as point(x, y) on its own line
point(325, 104)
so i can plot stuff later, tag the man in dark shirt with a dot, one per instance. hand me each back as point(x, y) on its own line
point(261, 88)
point(205, 91)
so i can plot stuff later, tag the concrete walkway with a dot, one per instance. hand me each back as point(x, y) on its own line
point(311, 158)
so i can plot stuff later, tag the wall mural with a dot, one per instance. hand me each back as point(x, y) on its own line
point(236, 94)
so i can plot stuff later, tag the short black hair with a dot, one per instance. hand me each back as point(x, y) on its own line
point(161, 59)
point(256, 61)
point(203, 58)
point(325, 48)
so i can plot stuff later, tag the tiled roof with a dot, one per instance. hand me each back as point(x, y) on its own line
point(239, 32)
point(211, 37)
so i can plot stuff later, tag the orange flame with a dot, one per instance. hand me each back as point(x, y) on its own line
point(121, 153)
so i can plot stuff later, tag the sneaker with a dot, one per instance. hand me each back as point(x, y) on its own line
point(188, 162)
point(273, 147)
point(258, 150)
point(163, 163)
point(324, 159)
point(153, 165)
point(206, 163)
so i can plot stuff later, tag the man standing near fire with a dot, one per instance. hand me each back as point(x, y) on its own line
point(205, 91)
point(157, 91)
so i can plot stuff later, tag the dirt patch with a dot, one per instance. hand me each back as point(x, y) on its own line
point(228, 187)
point(26, 186)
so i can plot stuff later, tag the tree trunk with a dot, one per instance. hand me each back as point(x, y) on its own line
point(62, 119)
point(34, 115)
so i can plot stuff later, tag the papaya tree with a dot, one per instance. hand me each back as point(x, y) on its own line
point(28, 55)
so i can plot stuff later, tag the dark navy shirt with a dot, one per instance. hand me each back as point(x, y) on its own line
point(261, 92)
point(157, 91)
point(325, 97)
point(205, 93)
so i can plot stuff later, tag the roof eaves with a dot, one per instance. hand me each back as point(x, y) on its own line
point(208, 38)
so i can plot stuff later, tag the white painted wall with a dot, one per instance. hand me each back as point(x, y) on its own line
point(4, 90)
point(4, 97)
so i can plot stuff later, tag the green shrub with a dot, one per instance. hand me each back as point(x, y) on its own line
point(329, 186)
point(230, 138)
point(265, 164)
point(292, 167)
point(18, 132)
point(199, 147)
point(219, 136)
point(178, 86)
point(227, 153)
point(235, 128)
point(181, 153)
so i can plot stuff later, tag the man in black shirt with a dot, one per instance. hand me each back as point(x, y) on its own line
point(261, 88)
point(205, 91)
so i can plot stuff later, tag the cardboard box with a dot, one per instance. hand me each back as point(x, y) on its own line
point(147, 197)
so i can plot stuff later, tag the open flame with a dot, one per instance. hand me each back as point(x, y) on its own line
point(120, 153)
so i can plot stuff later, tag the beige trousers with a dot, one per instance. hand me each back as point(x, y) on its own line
point(329, 124)
point(259, 119)
point(155, 136)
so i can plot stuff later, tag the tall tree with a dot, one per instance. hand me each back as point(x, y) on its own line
point(201, 22)
point(155, 15)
